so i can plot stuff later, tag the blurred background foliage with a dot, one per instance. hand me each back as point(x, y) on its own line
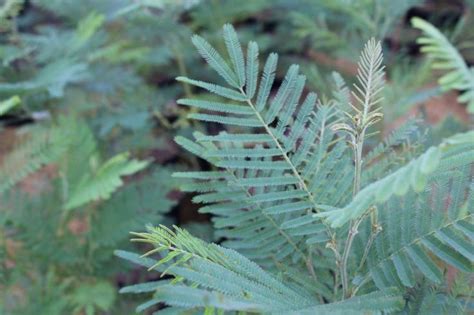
point(88, 116)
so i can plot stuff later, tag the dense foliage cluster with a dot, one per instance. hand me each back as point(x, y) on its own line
point(287, 195)
point(356, 198)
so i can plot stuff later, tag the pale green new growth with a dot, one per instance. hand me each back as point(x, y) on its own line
point(229, 281)
point(8, 104)
point(105, 181)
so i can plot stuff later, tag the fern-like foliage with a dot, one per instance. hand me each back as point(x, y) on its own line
point(447, 58)
point(425, 225)
point(41, 147)
point(54, 168)
point(413, 176)
point(273, 174)
point(8, 104)
point(226, 280)
point(371, 80)
point(105, 181)
point(8, 12)
point(69, 138)
point(285, 194)
point(399, 146)
point(133, 206)
point(53, 78)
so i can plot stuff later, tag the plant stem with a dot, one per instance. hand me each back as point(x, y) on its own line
point(3, 252)
point(309, 264)
point(376, 229)
point(353, 230)
point(358, 162)
point(356, 289)
point(182, 69)
point(354, 225)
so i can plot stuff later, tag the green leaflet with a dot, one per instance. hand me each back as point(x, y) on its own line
point(215, 106)
point(235, 51)
point(214, 59)
point(239, 153)
point(177, 295)
point(8, 104)
point(456, 242)
point(386, 300)
point(403, 268)
point(424, 263)
point(86, 28)
point(105, 180)
point(283, 208)
point(257, 165)
point(243, 122)
point(213, 88)
point(299, 221)
point(135, 258)
point(414, 175)
point(284, 91)
point(447, 254)
point(266, 82)
point(236, 138)
point(251, 70)
point(142, 287)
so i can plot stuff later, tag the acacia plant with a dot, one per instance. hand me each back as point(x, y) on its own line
point(309, 219)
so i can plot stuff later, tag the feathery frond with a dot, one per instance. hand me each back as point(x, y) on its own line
point(417, 228)
point(370, 77)
point(288, 151)
point(414, 175)
point(105, 180)
point(217, 272)
point(32, 153)
point(285, 192)
point(446, 57)
point(235, 51)
point(8, 104)
point(212, 276)
point(251, 70)
point(214, 59)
